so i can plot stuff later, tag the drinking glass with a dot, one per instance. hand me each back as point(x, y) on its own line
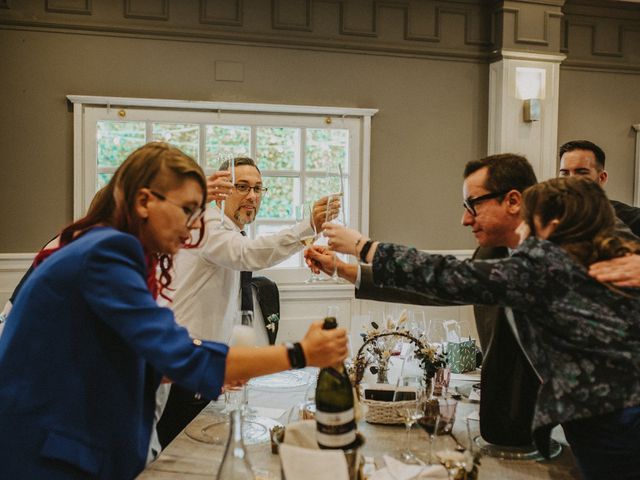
point(417, 324)
point(304, 213)
point(447, 415)
point(441, 381)
point(244, 335)
point(231, 168)
point(334, 276)
point(410, 413)
point(340, 218)
point(429, 423)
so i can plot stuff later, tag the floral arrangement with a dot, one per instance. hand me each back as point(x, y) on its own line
point(382, 348)
point(380, 344)
point(271, 322)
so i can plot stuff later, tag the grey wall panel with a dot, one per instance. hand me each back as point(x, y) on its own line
point(432, 120)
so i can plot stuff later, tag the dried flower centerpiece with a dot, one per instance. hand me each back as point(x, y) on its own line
point(378, 347)
point(381, 343)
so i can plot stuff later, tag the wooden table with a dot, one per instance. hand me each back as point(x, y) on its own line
point(188, 458)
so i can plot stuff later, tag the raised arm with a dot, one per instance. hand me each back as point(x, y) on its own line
point(515, 281)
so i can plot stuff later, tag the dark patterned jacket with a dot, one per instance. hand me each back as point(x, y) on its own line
point(508, 382)
point(582, 337)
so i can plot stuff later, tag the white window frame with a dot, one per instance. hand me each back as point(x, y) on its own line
point(90, 109)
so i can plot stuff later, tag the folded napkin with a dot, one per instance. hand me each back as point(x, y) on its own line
point(302, 434)
point(310, 464)
point(302, 458)
point(396, 470)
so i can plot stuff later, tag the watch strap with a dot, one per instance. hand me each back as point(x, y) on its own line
point(296, 355)
point(365, 250)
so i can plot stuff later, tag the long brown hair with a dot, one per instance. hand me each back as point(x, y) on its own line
point(586, 227)
point(156, 164)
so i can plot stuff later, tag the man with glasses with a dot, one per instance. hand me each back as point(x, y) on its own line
point(209, 280)
point(492, 198)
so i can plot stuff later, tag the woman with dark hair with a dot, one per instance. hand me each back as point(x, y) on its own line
point(86, 345)
point(582, 336)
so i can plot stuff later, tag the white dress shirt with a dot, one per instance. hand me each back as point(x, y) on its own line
point(206, 279)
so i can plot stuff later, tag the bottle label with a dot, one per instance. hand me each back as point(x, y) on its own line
point(335, 429)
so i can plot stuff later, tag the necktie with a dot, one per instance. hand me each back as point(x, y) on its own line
point(246, 303)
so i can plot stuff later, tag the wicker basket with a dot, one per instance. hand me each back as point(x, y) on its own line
point(385, 412)
point(377, 411)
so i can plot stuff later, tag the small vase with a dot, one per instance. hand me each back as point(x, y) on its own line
point(383, 371)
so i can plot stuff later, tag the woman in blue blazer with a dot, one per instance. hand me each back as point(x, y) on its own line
point(86, 345)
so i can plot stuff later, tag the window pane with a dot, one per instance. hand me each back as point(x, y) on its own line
point(279, 201)
point(291, 262)
point(326, 148)
point(116, 140)
point(317, 187)
point(278, 148)
point(103, 179)
point(225, 141)
point(185, 136)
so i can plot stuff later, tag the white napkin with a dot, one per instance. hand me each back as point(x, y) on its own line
point(302, 434)
point(396, 470)
point(302, 458)
point(310, 464)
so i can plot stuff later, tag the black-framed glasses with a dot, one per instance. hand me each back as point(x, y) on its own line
point(193, 214)
point(470, 203)
point(243, 189)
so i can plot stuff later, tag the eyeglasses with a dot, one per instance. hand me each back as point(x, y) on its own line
point(193, 215)
point(470, 203)
point(243, 189)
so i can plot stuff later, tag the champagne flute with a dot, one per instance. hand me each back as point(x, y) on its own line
point(334, 275)
point(410, 413)
point(231, 168)
point(244, 335)
point(417, 324)
point(305, 213)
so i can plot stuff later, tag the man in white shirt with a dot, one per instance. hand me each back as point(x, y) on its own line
point(207, 281)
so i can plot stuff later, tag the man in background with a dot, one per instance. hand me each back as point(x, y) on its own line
point(586, 159)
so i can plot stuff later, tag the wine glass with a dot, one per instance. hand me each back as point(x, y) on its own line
point(417, 324)
point(244, 335)
point(429, 422)
point(410, 413)
point(227, 157)
point(304, 213)
point(340, 218)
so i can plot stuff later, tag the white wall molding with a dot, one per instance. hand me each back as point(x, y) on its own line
point(14, 265)
point(219, 106)
point(531, 56)
point(300, 304)
point(12, 268)
point(15, 262)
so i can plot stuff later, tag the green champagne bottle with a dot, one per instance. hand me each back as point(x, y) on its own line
point(335, 420)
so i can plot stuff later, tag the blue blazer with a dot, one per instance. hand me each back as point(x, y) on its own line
point(81, 357)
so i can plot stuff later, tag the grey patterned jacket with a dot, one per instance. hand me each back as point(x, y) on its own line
point(582, 337)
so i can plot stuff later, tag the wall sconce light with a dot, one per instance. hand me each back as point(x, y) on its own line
point(530, 87)
point(531, 110)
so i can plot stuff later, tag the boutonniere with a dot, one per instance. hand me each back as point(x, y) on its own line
point(272, 322)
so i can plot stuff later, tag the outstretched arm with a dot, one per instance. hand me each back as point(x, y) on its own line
point(321, 348)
